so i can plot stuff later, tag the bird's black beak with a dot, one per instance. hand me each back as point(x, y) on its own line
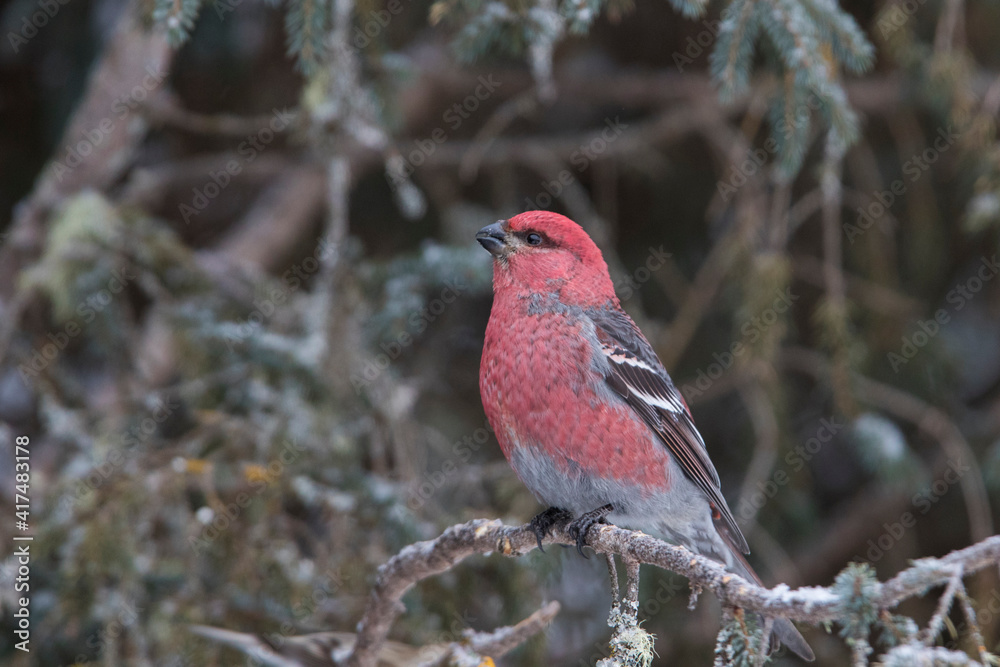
point(493, 238)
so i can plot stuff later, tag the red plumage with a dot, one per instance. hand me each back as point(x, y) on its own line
point(582, 407)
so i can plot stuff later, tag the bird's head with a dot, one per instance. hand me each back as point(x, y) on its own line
point(539, 252)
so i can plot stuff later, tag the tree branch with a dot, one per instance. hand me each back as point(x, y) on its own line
point(327, 649)
point(813, 605)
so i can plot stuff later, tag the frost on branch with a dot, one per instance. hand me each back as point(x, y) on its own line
point(856, 601)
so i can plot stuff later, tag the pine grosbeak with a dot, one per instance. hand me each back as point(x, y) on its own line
point(582, 407)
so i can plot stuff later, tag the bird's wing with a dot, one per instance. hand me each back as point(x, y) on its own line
point(637, 374)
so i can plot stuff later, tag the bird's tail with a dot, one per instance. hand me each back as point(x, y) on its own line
point(783, 630)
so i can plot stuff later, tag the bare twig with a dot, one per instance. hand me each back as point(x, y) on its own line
point(504, 640)
point(943, 607)
point(330, 648)
point(702, 293)
point(514, 108)
point(950, 32)
point(973, 626)
point(660, 130)
point(631, 601)
point(765, 451)
point(834, 316)
point(494, 644)
point(629, 87)
point(613, 578)
point(324, 318)
point(833, 260)
point(877, 297)
point(165, 109)
point(295, 199)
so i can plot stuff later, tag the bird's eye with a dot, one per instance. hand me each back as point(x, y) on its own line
point(533, 239)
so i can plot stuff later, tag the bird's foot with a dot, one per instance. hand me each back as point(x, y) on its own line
point(580, 527)
point(542, 523)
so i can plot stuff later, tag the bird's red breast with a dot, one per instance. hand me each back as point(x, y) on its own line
point(542, 388)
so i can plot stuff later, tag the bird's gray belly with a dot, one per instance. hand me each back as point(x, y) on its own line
point(567, 486)
point(681, 516)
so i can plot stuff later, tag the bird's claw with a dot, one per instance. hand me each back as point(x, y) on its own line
point(580, 527)
point(542, 523)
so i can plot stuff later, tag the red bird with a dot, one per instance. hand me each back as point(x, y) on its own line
point(584, 410)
